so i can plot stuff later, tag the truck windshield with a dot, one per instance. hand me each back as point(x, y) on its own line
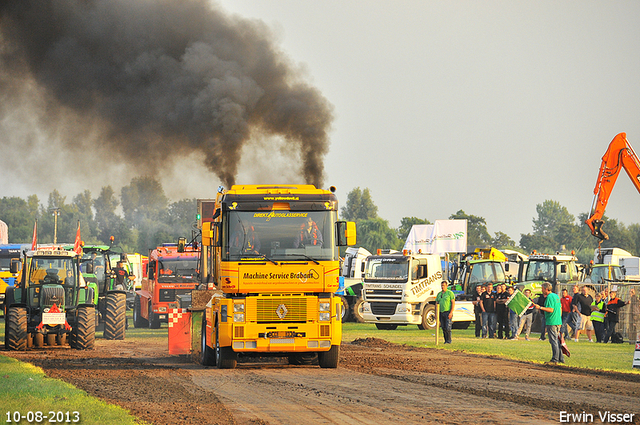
point(52, 271)
point(279, 235)
point(540, 270)
point(606, 273)
point(177, 269)
point(482, 273)
point(391, 269)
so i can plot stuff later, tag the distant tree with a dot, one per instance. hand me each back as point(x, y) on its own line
point(376, 234)
point(107, 222)
point(530, 242)
point(181, 217)
point(143, 200)
point(477, 234)
point(406, 223)
point(551, 215)
point(502, 240)
point(20, 216)
point(359, 206)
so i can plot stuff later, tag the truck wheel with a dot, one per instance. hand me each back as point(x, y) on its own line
point(329, 359)
point(226, 358)
point(138, 320)
point(115, 316)
point(386, 326)
point(345, 310)
point(356, 310)
point(154, 320)
point(84, 333)
point(15, 337)
point(428, 318)
point(207, 354)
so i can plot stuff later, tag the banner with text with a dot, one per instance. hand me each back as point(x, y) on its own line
point(439, 238)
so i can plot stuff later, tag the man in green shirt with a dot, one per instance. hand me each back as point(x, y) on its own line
point(553, 321)
point(446, 299)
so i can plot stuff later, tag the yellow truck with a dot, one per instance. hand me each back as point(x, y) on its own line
point(275, 263)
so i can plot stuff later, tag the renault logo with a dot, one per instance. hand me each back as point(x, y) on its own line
point(281, 311)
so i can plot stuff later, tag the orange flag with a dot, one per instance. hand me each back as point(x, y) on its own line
point(34, 241)
point(77, 246)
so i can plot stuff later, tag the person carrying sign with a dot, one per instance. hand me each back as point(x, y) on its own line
point(553, 321)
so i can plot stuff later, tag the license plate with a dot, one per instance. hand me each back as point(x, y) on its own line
point(53, 318)
point(281, 334)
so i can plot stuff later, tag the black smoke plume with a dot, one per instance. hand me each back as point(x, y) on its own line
point(156, 79)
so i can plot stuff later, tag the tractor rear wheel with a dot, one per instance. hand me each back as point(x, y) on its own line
point(84, 333)
point(115, 317)
point(15, 337)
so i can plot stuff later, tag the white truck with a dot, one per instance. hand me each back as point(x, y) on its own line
point(350, 290)
point(400, 289)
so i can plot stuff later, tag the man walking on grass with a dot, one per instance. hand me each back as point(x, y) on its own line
point(553, 320)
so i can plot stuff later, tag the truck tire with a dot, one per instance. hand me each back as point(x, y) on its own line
point(15, 338)
point(386, 326)
point(356, 310)
point(207, 354)
point(84, 333)
point(329, 359)
point(154, 320)
point(226, 358)
point(115, 316)
point(345, 311)
point(138, 320)
point(428, 318)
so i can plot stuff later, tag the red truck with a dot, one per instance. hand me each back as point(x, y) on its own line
point(172, 271)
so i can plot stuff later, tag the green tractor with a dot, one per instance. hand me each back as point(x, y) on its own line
point(99, 270)
point(50, 304)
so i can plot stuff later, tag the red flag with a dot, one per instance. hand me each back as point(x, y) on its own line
point(77, 248)
point(34, 241)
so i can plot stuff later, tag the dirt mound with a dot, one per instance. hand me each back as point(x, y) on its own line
point(372, 342)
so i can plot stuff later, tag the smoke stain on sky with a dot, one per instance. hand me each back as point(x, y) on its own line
point(139, 87)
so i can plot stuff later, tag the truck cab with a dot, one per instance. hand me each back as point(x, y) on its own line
point(400, 289)
point(351, 273)
point(556, 268)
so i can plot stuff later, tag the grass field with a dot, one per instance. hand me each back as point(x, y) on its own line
point(618, 357)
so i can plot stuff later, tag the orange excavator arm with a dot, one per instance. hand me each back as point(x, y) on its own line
point(619, 155)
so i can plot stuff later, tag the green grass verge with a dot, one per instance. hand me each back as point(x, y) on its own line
point(25, 388)
point(616, 357)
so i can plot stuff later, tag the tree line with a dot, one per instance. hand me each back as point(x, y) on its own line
point(141, 217)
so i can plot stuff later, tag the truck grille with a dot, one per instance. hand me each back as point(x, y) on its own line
point(383, 309)
point(281, 309)
point(169, 295)
point(373, 295)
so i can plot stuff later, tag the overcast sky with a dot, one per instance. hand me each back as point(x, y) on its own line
point(489, 107)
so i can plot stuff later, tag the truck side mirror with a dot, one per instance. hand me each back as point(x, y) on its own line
point(182, 242)
point(345, 233)
point(16, 266)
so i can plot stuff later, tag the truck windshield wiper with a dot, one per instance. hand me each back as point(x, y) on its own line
point(307, 257)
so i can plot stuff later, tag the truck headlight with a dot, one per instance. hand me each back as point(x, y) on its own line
point(238, 308)
point(325, 316)
point(324, 306)
point(238, 317)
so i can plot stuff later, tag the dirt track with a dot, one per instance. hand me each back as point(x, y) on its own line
point(376, 382)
